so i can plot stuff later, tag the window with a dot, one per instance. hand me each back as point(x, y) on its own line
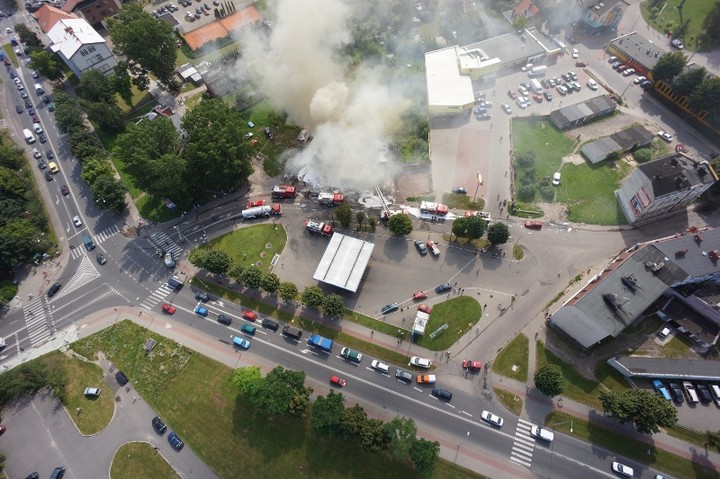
point(83, 52)
point(91, 48)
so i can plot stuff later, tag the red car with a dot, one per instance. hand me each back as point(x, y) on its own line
point(64, 190)
point(533, 225)
point(337, 381)
point(512, 94)
point(249, 315)
point(253, 204)
point(538, 97)
point(419, 295)
point(424, 308)
point(2, 428)
point(168, 308)
point(680, 148)
point(472, 365)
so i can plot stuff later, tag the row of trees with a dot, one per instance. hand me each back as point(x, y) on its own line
point(283, 392)
point(251, 277)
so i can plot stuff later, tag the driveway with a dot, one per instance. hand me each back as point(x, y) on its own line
point(41, 436)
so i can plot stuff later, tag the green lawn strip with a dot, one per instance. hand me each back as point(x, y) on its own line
point(670, 19)
point(140, 459)
point(375, 324)
point(610, 377)
point(628, 447)
point(688, 435)
point(460, 314)
point(677, 347)
point(139, 97)
point(126, 178)
point(445, 469)
point(123, 344)
point(514, 354)
point(249, 246)
point(10, 52)
point(577, 387)
point(509, 400)
point(153, 208)
point(95, 413)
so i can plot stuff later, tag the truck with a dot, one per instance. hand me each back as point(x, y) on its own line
point(262, 211)
point(320, 342)
point(331, 198)
point(537, 71)
point(283, 191)
point(318, 227)
point(536, 86)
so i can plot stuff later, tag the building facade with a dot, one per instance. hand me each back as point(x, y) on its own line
point(81, 47)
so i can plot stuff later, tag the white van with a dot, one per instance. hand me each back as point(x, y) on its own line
point(592, 84)
point(29, 137)
point(39, 89)
point(715, 391)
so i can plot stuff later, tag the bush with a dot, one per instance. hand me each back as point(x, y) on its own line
point(642, 155)
point(526, 192)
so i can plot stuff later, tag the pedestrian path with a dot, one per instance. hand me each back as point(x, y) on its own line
point(163, 241)
point(36, 321)
point(85, 273)
point(523, 445)
point(157, 296)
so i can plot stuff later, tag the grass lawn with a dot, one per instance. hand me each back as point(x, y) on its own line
point(123, 343)
point(139, 459)
point(10, 52)
point(518, 252)
point(374, 324)
point(636, 450)
point(514, 354)
point(95, 413)
point(460, 314)
point(693, 437)
point(509, 400)
point(694, 10)
point(254, 245)
point(153, 208)
point(139, 98)
point(677, 347)
point(610, 377)
point(577, 387)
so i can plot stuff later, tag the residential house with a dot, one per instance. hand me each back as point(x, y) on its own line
point(47, 16)
point(93, 11)
point(81, 47)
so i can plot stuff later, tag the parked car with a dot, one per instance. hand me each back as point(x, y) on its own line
point(512, 94)
point(419, 362)
point(121, 378)
point(175, 441)
point(442, 288)
point(506, 108)
point(661, 389)
point(419, 295)
point(704, 393)
point(441, 393)
point(49, 153)
point(168, 308)
point(18, 108)
point(492, 418)
point(254, 204)
point(676, 392)
point(639, 79)
point(533, 224)
point(665, 136)
point(548, 96)
point(556, 178)
point(424, 308)
point(628, 72)
point(422, 249)
point(389, 308)
point(270, 324)
point(575, 53)
point(403, 375)
point(338, 381)
point(471, 365)
point(380, 366)
point(92, 392)
point(426, 379)
point(159, 425)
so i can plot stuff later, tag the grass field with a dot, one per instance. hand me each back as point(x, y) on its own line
point(460, 314)
point(693, 10)
point(633, 449)
point(577, 387)
point(255, 245)
point(509, 400)
point(514, 354)
point(136, 460)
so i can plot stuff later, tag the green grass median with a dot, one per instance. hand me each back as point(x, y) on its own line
point(514, 355)
point(138, 460)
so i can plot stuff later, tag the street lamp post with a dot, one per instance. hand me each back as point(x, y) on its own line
point(479, 182)
point(460, 444)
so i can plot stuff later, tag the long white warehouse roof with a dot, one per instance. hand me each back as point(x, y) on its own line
point(344, 261)
point(445, 84)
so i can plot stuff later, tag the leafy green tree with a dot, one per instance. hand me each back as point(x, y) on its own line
point(197, 257)
point(109, 118)
point(282, 392)
point(642, 155)
point(236, 271)
point(400, 225)
point(343, 213)
point(46, 64)
point(122, 83)
point(712, 439)
point(96, 87)
point(549, 380)
point(424, 455)
point(403, 434)
point(216, 155)
point(460, 227)
point(646, 409)
point(527, 192)
point(360, 217)
point(288, 291)
point(19, 241)
point(327, 413)
point(333, 306)
point(109, 193)
point(95, 167)
point(353, 422)
point(251, 277)
point(498, 233)
point(68, 114)
point(84, 143)
point(689, 80)
point(247, 379)
point(475, 227)
point(133, 29)
point(707, 97)
point(217, 262)
point(270, 283)
point(28, 37)
point(312, 296)
point(373, 435)
point(372, 223)
point(669, 66)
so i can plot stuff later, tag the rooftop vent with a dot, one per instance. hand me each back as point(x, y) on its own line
point(630, 282)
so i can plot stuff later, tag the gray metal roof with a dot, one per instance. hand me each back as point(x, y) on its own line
point(639, 48)
point(574, 115)
point(512, 47)
point(344, 261)
point(633, 137)
point(660, 368)
point(675, 172)
point(696, 261)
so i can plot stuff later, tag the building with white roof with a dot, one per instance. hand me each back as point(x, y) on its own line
point(344, 261)
point(81, 47)
point(449, 90)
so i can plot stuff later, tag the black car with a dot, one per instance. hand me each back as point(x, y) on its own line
point(202, 296)
point(548, 96)
point(27, 103)
point(42, 138)
point(159, 425)
point(101, 259)
point(443, 287)
point(46, 99)
point(403, 375)
point(224, 319)
point(270, 324)
point(48, 176)
point(121, 378)
point(18, 108)
point(13, 75)
point(57, 473)
point(50, 155)
point(389, 308)
point(676, 392)
point(269, 134)
point(704, 393)
point(33, 475)
point(54, 289)
point(42, 165)
point(459, 190)
point(175, 441)
point(31, 110)
point(420, 245)
point(441, 393)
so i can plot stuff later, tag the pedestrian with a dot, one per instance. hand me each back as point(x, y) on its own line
point(371, 333)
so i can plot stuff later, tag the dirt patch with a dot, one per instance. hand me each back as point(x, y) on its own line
point(414, 181)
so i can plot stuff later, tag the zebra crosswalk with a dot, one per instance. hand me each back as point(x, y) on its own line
point(85, 273)
point(163, 241)
point(104, 235)
point(157, 296)
point(36, 320)
point(523, 445)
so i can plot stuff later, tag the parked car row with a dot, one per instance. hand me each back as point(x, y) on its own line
point(697, 392)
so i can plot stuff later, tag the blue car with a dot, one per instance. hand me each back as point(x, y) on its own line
point(443, 287)
point(241, 343)
point(389, 308)
point(201, 311)
point(175, 441)
point(661, 389)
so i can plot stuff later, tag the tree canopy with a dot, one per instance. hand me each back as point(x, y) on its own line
point(333, 306)
point(281, 392)
point(327, 414)
point(669, 66)
point(343, 213)
point(646, 409)
point(498, 233)
point(313, 297)
point(550, 380)
point(400, 225)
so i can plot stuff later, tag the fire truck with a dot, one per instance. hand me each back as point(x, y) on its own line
point(433, 211)
point(331, 198)
point(318, 227)
point(262, 211)
point(283, 191)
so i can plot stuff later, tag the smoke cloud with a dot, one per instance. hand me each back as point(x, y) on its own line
point(299, 67)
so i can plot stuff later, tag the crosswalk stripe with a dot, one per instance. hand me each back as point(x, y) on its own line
point(520, 461)
point(523, 447)
point(522, 427)
point(523, 421)
point(526, 442)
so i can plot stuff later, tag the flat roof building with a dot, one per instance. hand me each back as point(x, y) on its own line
point(344, 261)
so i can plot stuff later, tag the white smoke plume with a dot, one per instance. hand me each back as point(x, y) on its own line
point(301, 70)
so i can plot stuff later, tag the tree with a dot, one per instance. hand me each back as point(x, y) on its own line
point(403, 434)
point(313, 297)
point(251, 277)
point(424, 455)
point(270, 283)
point(46, 64)
point(96, 87)
point(68, 114)
point(400, 225)
point(689, 80)
point(216, 155)
point(498, 233)
point(646, 409)
point(216, 262)
point(122, 82)
point(642, 155)
point(247, 379)
point(133, 30)
point(28, 37)
point(527, 192)
point(707, 97)
point(475, 227)
point(109, 193)
point(236, 271)
point(372, 223)
point(550, 380)
point(669, 66)
point(20, 241)
point(288, 291)
point(373, 435)
point(360, 217)
point(282, 392)
point(712, 439)
point(327, 413)
point(108, 118)
point(95, 167)
point(343, 213)
point(197, 257)
point(459, 227)
point(353, 421)
point(333, 306)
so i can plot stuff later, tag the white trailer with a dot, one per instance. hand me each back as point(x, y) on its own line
point(257, 212)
